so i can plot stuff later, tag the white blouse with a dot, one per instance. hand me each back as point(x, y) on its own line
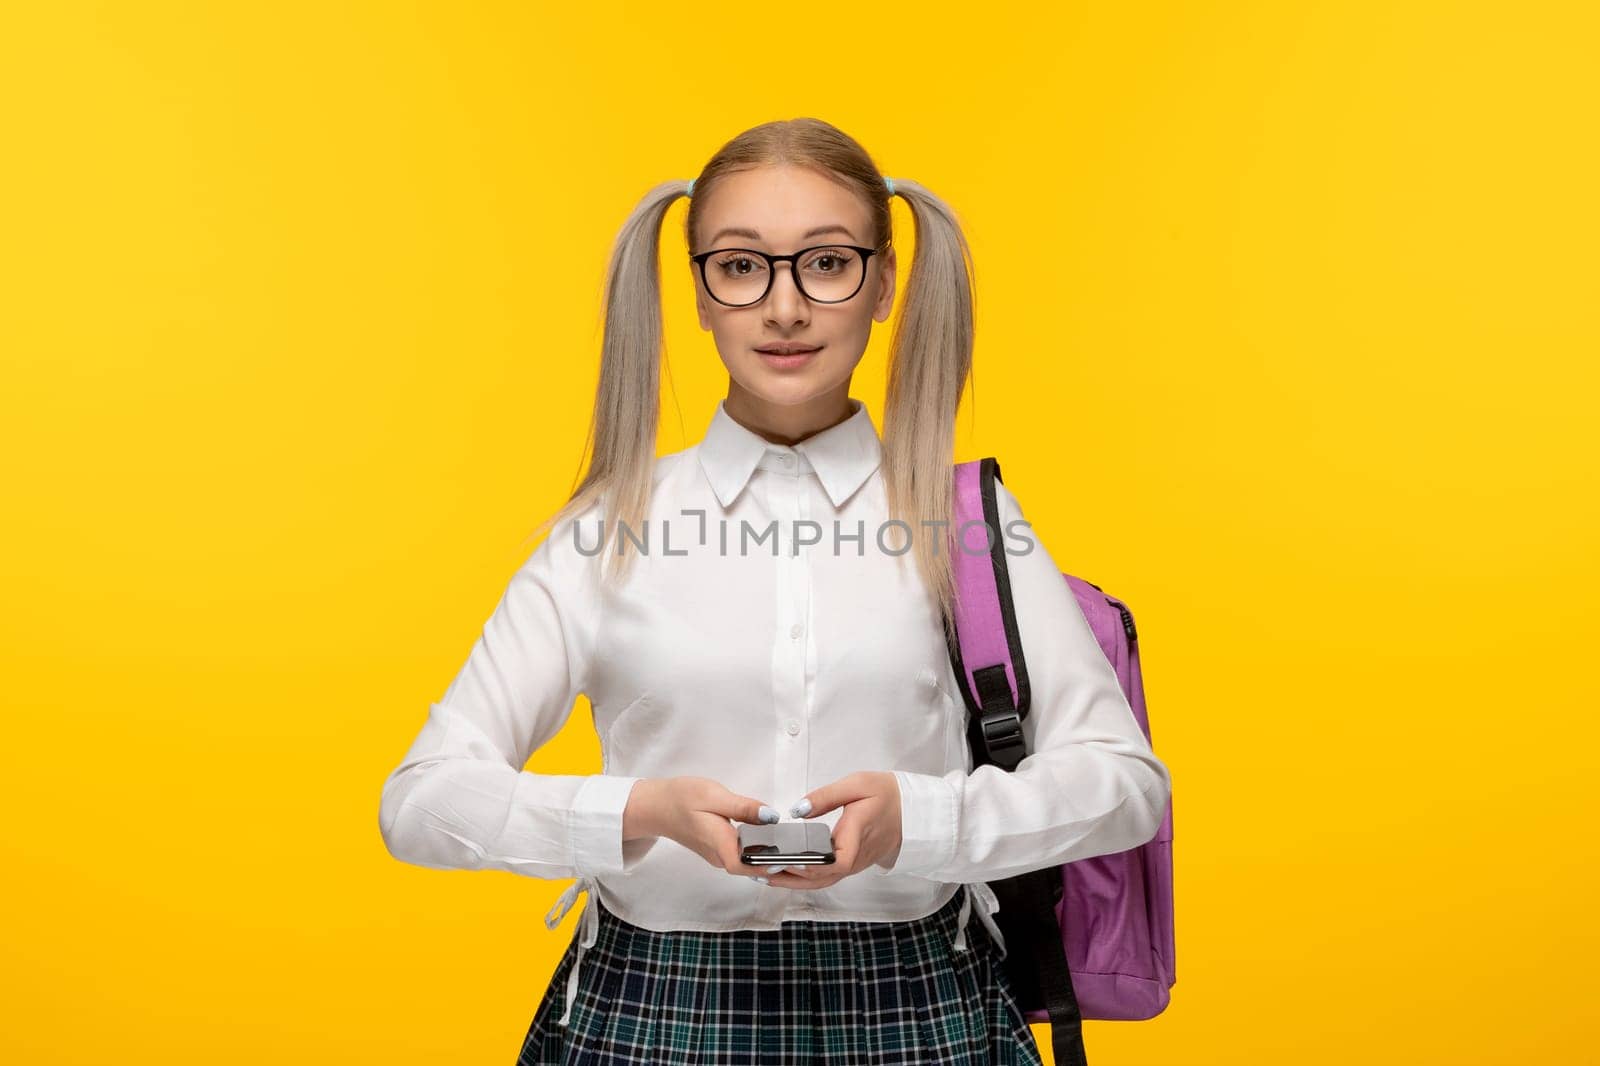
point(764, 639)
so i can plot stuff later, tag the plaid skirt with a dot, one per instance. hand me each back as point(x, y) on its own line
point(809, 992)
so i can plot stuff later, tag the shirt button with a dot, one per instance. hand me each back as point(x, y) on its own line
point(793, 728)
point(795, 631)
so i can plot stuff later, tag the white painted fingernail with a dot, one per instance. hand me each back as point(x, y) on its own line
point(801, 809)
point(763, 880)
point(768, 814)
point(775, 870)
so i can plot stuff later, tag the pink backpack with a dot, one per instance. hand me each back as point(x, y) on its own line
point(1085, 939)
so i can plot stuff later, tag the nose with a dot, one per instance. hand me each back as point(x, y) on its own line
point(786, 304)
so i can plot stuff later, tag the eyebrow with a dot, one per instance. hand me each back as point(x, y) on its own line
point(734, 231)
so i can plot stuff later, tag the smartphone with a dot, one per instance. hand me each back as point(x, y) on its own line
point(787, 844)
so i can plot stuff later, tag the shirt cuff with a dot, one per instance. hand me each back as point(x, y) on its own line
point(929, 810)
point(596, 827)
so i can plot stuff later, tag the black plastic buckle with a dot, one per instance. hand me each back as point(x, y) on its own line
point(1002, 737)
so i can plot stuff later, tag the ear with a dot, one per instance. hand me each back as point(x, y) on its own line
point(702, 307)
point(886, 273)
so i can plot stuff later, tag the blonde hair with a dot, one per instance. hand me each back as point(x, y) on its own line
point(930, 356)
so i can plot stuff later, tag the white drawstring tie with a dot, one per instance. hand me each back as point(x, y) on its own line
point(589, 929)
point(991, 903)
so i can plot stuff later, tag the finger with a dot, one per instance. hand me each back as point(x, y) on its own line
point(726, 842)
point(847, 789)
point(814, 874)
point(743, 809)
point(709, 845)
point(809, 881)
point(798, 873)
point(846, 845)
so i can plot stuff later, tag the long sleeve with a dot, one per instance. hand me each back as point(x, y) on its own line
point(460, 798)
point(1090, 785)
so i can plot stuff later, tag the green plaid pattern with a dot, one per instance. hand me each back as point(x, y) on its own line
point(835, 993)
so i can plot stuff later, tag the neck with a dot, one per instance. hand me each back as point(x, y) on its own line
point(788, 424)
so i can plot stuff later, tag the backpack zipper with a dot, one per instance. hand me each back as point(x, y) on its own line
point(1127, 615)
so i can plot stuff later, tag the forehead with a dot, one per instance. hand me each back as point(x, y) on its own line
point(781, 204)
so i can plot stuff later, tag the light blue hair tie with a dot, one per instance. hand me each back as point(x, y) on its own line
point(690, 190)
point(890, 183)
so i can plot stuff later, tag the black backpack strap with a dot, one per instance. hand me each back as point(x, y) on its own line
point(995, 713)
point(1035, 960)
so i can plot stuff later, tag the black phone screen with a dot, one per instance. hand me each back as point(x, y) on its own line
point(787, 843)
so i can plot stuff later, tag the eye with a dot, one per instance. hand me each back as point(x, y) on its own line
point(829, 261)
point(739, 265)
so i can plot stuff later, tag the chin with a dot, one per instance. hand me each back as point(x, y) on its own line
point(785, 388)
point(786, 394)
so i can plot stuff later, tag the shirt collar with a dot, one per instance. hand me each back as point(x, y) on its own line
point(842, 456)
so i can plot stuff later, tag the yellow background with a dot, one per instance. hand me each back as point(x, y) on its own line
point(1287, 334)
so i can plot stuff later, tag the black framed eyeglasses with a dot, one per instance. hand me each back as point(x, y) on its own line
point(825, 274)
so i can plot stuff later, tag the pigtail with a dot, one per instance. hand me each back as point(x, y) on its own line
point(621, 444)
point(930, 358)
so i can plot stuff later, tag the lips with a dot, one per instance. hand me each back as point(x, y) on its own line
point(788, 348)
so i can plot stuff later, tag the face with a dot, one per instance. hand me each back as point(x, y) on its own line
point(776, 208)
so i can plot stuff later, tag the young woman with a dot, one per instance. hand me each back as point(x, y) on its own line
point(758, 622)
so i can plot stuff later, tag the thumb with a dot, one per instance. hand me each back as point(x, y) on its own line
point(847, 789)
point(745, 809)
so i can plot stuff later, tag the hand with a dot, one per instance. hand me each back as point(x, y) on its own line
point(866, 834)
point(694, 811)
